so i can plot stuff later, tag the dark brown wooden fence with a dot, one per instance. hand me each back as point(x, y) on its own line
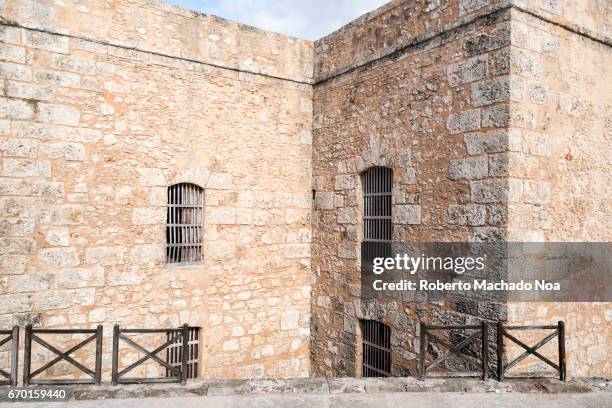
point(172, 336)
point(10, 378)
point(481, 332)
point(503, 331)
point(31, 335)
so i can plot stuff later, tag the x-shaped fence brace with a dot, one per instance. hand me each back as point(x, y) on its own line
point(181, 334)
point(559, 332)
point(454, 349)
point(10, 378)
point(31, 335)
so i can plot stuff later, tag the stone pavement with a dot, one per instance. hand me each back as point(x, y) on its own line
point(342, 392)
point(379, 400)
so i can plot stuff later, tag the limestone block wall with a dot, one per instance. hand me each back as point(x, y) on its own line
point(435, 110)
point(562, 168)
point(106, 104)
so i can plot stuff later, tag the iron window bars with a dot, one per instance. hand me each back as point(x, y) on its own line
point(179, 374)
point(377, 184)
point(32, 335)
point(184, 224)
point(174, 353)
point(7, 378)
point(376, 350)
point(426, 336)
point(504, 331)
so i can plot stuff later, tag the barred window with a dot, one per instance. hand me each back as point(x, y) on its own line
point(376, 349)
point(184, 224)
point(377, 184)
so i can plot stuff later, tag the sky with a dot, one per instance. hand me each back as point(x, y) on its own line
point(307, 19)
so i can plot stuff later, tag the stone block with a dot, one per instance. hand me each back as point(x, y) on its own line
point(17, 246)
point(499, 165)
point(65, 63)
point(484, 42)
point(12, 53)
point(16, 303)
point(496, 116)
point(498, 214)
point(220, 215)
point(26, 168)
point(32, 130)
point(470, 168)
point(297, 250)
point(125, 276)
point(60, 78)
point(468, 214)
point(59, 257)
point(16, 227)
point(105, 256)
point(63, 214)
point(81, 277)
point(491, 91)
point(58, 237)
point(406, 214)
point(220, 181)
point(63, 299)
point(16, 109)
point(45, 41)
point(18, 72)
point(30, 282)
point(68, 151)
point(148, 215)
point(18, 147)
point(347, 216)
point(220, 250)
point(495, 141)
point(147, 253)
point(347, 250)
point(463, 121)
point(324, 200)
point(290, 320)
point(29, 91)
point(344, 182)
point(467, 71)
point(10, 35)
point(12, 264)
point(47, 188)
point(58, 114)
point(489, 191)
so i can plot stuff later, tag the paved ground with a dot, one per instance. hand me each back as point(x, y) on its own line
point(378, 400)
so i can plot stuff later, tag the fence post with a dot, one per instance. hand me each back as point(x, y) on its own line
point(500, 351)
point(185, 353)
point(485, 352)
point(27, 354)
point(98, 379)
point(14, 355)
point(561, 338)
point(422, 349)
point(115, 362)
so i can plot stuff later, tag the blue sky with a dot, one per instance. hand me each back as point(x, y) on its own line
point(307, 19)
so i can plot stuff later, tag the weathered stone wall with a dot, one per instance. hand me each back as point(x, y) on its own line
point(434, 111)
point(493, 127)
point(562, 170)
point(98, 119)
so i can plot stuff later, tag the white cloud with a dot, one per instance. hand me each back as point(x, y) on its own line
point(310, 20)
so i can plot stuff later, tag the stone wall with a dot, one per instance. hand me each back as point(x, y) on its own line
point(434, 111)
point(106, 104)
point(561, 170)
point(470, 103)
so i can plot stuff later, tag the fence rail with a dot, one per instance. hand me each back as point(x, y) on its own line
point(503, 331)
point(172, 336)
point(6, 377)
point(31, 335)
point(426, 336)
